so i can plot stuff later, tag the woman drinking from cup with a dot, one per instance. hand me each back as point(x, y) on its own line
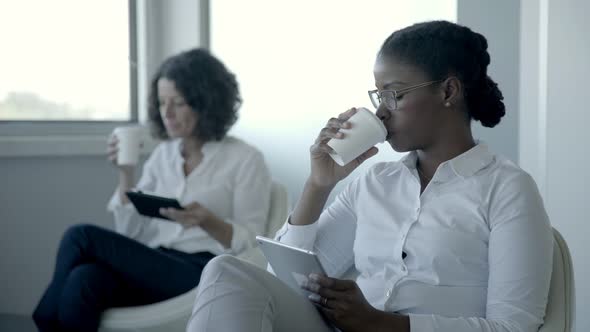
point(451, 238)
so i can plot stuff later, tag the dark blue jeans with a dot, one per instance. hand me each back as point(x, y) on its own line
point(98, 269)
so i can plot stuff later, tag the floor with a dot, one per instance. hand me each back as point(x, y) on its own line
point(16, 323)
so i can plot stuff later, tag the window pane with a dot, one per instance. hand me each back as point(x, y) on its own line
point(64, 60)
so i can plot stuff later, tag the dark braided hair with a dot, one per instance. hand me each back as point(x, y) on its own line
point(443, 49)
point(207, 87)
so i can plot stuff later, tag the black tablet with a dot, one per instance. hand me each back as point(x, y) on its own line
point(149, 205)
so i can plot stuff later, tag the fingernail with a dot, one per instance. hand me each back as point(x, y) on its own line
point(314, 297)
point(312, 286)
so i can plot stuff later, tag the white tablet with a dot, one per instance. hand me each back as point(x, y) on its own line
point(291, 264)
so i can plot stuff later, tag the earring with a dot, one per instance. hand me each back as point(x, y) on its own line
point(447, 104)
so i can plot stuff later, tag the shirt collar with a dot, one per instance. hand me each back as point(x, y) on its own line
point(409, 160)
point(472, 160)
point(463, 165)
point(208, 149)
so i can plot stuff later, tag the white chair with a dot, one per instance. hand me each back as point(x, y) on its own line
point(561, 304)
point(173, 314)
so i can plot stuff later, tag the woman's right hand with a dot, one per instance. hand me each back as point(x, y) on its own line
point(126, 172)
point(325, 172)
point(112, 150)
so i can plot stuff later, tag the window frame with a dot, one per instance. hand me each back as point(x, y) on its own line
point(11, 130)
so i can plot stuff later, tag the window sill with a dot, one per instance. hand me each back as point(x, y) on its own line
point(60, 146)
point(59, 139)
point(53, 146)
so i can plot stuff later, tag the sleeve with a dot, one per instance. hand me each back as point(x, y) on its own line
point(127, 221)
point(251, 203)
point(331, 236)
point(520, 263)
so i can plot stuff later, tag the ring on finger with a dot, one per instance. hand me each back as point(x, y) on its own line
point(325, 301)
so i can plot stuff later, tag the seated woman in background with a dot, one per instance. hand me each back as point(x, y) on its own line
point(451, 238)
point(223, 184)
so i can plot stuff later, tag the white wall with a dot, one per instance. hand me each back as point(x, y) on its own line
point(532, 84)
point(556, 115)
point(499, 22)
point(164, 28)
point(39, 198)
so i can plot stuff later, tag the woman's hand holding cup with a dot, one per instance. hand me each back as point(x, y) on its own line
point(112, 153)
point(124, 147)
point(325, 172)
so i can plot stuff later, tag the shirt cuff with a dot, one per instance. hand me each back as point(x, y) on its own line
point(239, 240)
point(300, 236)
point(116, 203)
point(422, 323)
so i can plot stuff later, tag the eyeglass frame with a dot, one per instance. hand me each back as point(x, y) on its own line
point(397, 93)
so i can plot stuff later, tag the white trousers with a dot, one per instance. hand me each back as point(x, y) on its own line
point(234, 295)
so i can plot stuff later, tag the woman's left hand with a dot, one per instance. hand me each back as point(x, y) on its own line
point(342, 302)
point(193, 214)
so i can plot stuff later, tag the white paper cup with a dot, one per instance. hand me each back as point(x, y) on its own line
point(366, 130)
point(130, 141)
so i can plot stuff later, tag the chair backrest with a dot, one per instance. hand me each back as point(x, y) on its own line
point(277, 214)
point(279, 208)
point(561, 304)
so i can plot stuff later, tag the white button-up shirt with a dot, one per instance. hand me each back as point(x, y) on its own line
point(478, 243)
point(232, 181)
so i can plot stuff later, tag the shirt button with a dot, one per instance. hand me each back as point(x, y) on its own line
point(389, 291)
point(404, 269)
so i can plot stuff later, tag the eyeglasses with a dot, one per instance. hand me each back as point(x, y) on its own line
point(390, 97)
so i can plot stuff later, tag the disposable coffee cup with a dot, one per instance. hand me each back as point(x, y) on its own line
point(365, 131)
point(130, 142)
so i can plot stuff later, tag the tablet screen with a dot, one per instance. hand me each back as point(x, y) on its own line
point(290, 264)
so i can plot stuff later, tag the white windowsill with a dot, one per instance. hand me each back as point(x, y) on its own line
point(60, 146)
point(52, 146)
